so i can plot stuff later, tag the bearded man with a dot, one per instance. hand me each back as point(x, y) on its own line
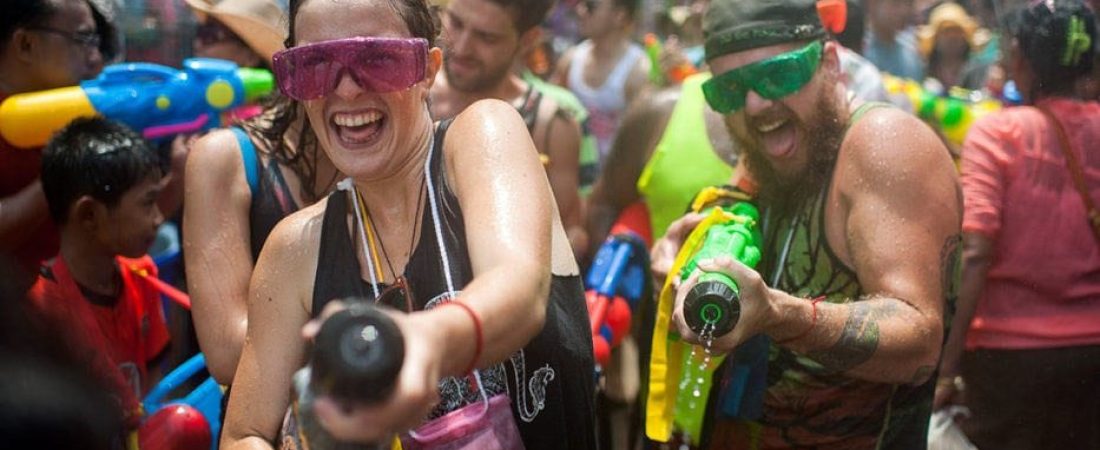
point(861, 212)
point(482, 40)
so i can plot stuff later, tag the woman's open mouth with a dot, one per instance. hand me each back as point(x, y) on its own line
point(358, 128)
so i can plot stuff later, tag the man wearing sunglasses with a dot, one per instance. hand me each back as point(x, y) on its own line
point(480, 55)
point(861, 211)
point(44, 44)
point(681, 145)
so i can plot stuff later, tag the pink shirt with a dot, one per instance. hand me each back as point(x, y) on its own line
point(1043, 287)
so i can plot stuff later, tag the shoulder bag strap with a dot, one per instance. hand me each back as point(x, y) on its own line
point(1076, 173)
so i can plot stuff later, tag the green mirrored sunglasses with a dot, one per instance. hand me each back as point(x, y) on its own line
point(772, 78)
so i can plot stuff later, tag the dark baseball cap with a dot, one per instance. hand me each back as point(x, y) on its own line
point(735, 25)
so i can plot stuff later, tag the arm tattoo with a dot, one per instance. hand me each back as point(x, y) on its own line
point(922, 375)
point(951, 277)
point(858, 340)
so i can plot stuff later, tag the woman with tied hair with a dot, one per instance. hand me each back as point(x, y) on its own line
point(1025, 342)
point(457, 218)
point(240, 181)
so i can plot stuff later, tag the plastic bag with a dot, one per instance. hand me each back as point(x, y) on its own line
point(944, 433)
point(486, 425)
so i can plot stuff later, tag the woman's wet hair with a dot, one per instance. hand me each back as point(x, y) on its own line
point(1058, 40)
point(421, 18)
point(298, 153)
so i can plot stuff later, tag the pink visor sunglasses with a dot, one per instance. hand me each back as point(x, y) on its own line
point(376, 64)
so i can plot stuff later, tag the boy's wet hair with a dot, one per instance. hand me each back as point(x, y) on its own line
point(95, 157)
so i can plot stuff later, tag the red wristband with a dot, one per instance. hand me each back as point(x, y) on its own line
point(813, 323)
point(477, 331)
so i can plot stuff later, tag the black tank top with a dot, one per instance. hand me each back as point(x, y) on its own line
point(271, 198)
point(529, 107)
point(550, 381)
point(271, 202)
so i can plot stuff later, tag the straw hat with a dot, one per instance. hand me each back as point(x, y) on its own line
point(946, 15)
point(260, 23)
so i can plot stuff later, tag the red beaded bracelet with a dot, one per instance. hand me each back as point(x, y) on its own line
point(813, 323)
point(477, 332)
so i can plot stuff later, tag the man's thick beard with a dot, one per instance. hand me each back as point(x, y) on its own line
point(822, 139)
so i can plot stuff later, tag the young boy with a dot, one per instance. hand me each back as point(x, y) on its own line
point(101, 182)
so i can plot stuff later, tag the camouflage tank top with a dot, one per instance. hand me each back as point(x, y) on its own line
point(806, 404)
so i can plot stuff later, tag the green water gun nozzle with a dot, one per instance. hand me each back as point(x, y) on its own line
point(712, 306)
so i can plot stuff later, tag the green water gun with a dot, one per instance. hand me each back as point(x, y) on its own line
point(712, 306)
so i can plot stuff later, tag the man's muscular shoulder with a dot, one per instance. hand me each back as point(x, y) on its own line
point(893, 161)
point(890, 147)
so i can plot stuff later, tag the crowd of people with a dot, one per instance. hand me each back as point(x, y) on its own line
point(923, 254)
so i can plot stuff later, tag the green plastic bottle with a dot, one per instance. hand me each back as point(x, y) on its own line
point(713, 304)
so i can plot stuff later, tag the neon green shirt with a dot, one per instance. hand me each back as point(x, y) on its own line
point(683, 162)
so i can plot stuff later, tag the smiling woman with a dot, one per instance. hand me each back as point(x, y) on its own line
point(454, 212)
point(258, 172)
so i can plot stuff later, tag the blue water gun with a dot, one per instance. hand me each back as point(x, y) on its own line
point(616, 280)
point(158, 101)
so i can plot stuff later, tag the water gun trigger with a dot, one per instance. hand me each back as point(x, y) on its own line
point(172, 129)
